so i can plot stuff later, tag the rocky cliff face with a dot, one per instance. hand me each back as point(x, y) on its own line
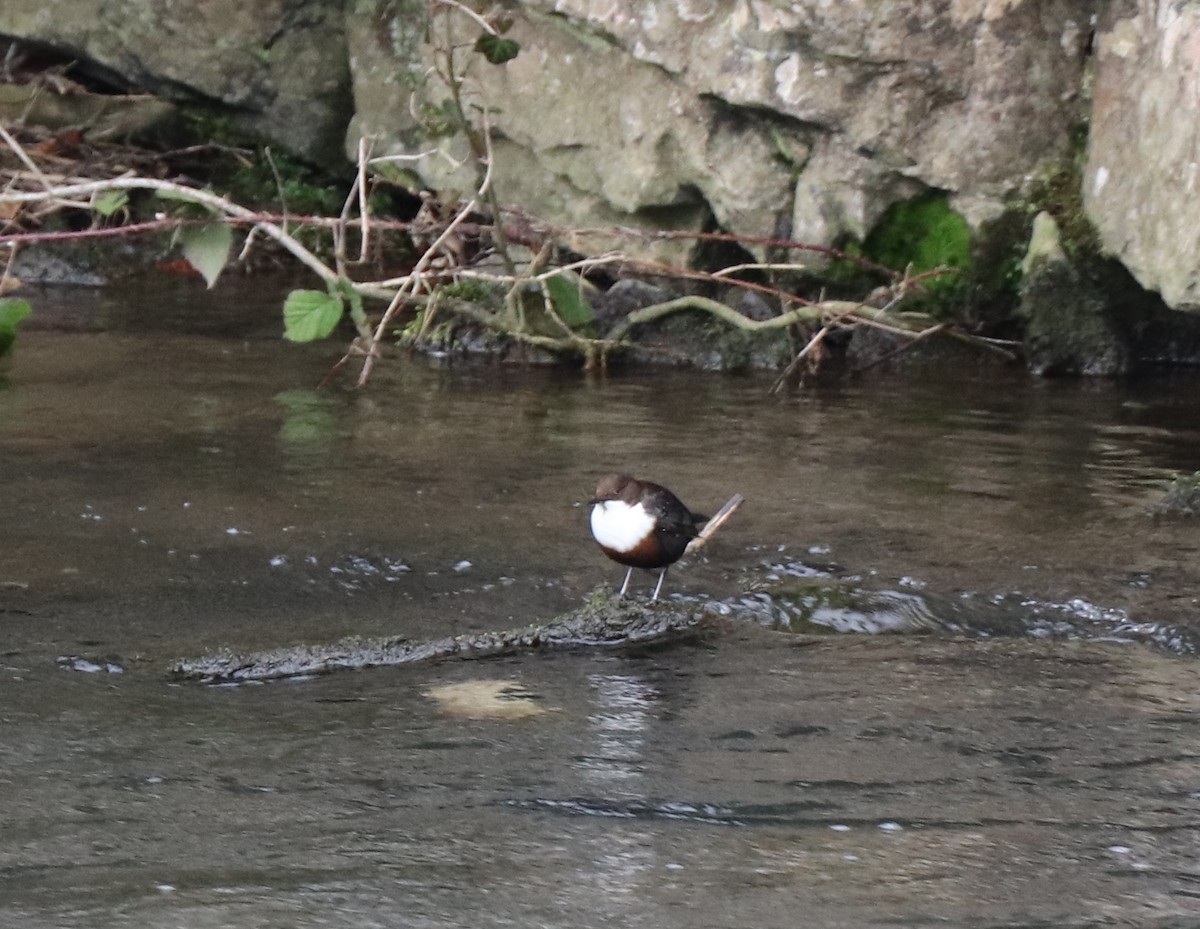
point(1142, 180)
point(278, 66)
point(803, 119)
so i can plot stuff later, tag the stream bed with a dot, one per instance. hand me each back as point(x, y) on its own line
point(954, 680)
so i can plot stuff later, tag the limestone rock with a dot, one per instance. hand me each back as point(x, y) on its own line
point(279, 66)
point(1142, 181)
point(797, 119)
point(1072, 326)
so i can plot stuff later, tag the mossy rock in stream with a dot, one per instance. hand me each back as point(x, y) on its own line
point(602, 622)
point(1181, 497)
point(1076, 310)
point(699, 341)
point(693, 338)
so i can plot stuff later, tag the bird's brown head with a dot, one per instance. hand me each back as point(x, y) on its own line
point(613, 487)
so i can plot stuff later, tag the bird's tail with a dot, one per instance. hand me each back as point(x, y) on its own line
point(718, 520)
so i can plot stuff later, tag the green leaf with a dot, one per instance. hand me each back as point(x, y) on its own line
point(309, 315)
point(11, 313)
point(110, 202)
point(568, 301)
point(497, 50)
point(438, 120)
point(207, 248)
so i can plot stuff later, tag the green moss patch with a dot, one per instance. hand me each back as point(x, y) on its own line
point(11, 313)
point(924, 233)
point(917, 235)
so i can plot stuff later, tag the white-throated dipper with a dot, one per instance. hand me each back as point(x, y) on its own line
point(641, 525)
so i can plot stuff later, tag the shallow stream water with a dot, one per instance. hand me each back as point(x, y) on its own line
point(955, 683)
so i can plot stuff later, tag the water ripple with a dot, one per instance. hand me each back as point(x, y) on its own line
point(793, 597)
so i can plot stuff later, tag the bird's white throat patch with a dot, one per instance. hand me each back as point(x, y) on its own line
point(619, 526)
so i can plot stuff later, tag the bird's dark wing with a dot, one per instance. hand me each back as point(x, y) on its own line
point(672, 516)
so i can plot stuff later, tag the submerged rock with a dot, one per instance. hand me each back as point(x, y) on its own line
point(1181, 497)
point(1085, 314)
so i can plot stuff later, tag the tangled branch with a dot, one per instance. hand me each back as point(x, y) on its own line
point(439, 235)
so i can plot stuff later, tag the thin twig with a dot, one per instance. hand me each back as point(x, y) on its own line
point(338, 232)
point(278, 185)
point(467, 11)
point(901, 349)
point(153, 225)
point(746, 241)
point(364, 212)
point(8, 266)
point(810, 347)
point(422, 265)
point(203, 197)
point(389, 159)
point(757, 266)
point(20, 152)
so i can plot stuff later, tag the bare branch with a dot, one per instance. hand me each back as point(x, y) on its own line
point(24, 157)
point(446, 233)
point(467, 11)
point(203, 197)
point(402, 293)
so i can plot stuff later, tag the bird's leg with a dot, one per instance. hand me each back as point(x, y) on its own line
point(625, 586)
point(658, 587)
